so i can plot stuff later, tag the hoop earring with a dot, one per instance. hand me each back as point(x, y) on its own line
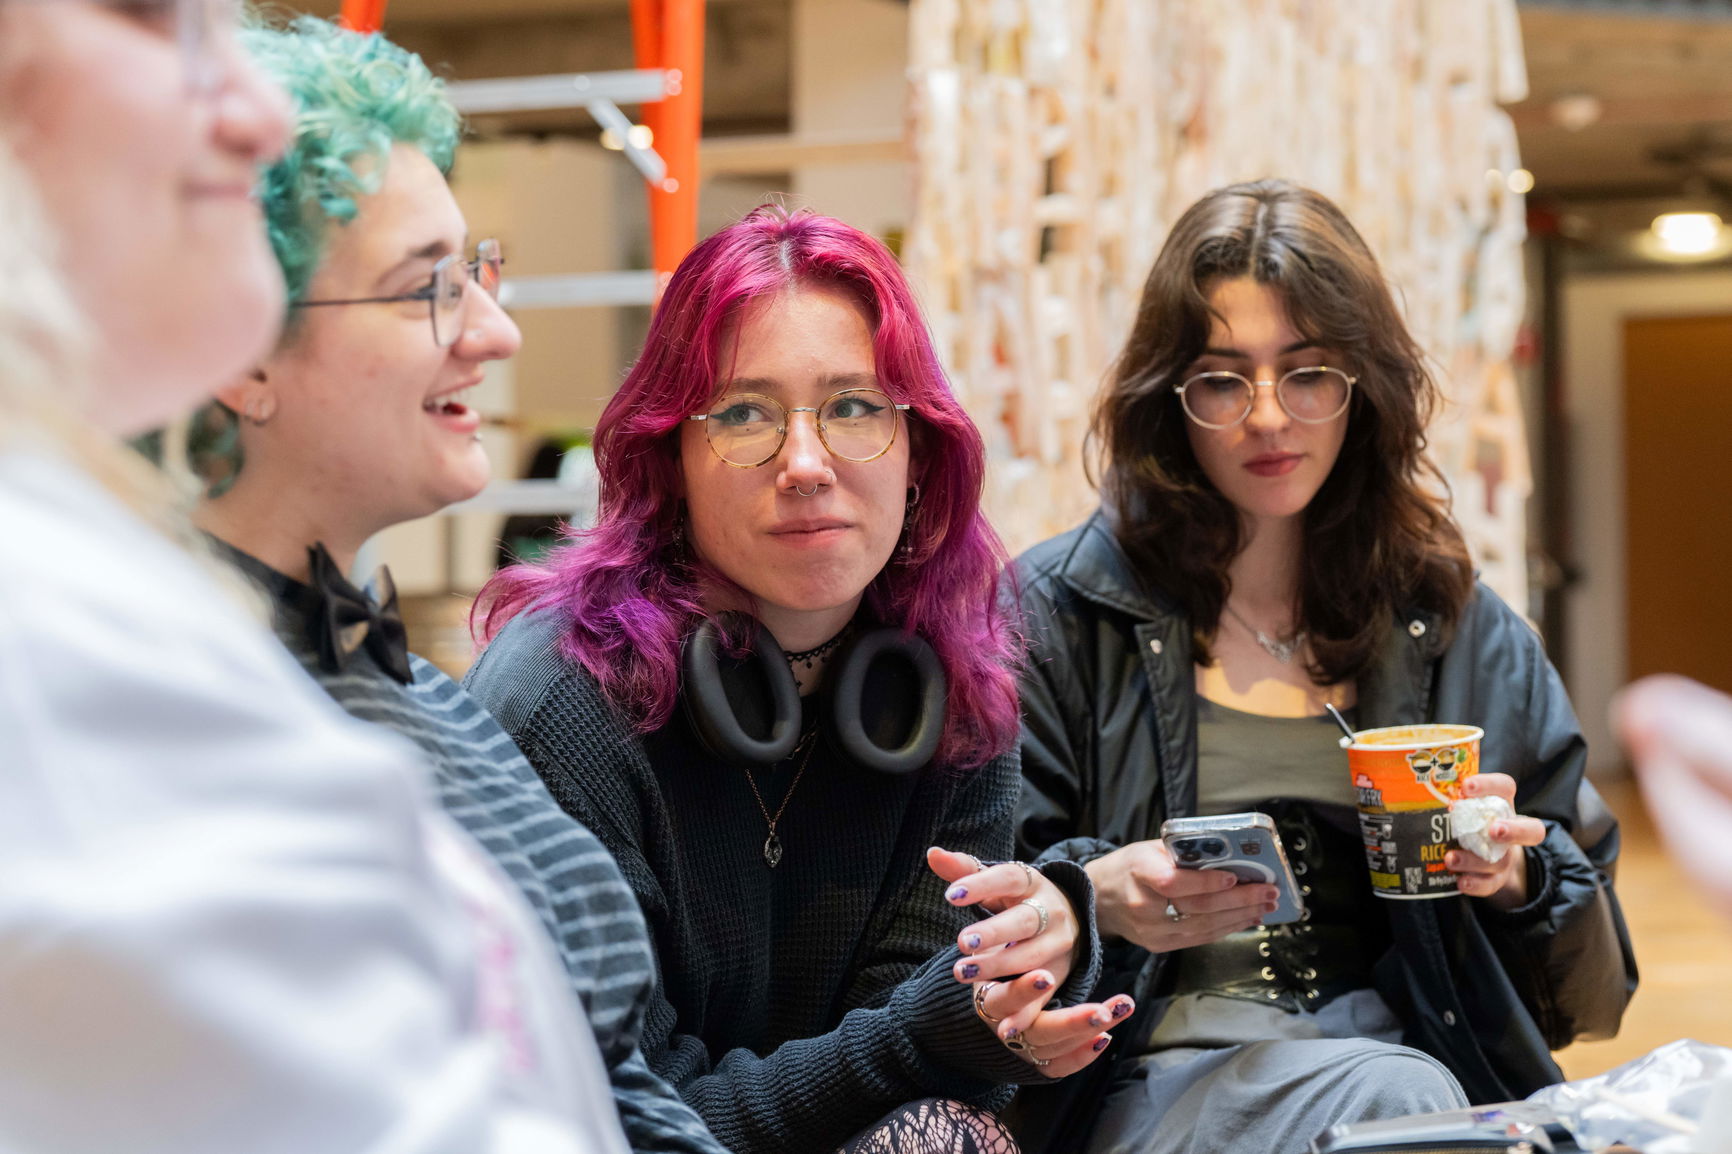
point(905, 553)
point(677, 540)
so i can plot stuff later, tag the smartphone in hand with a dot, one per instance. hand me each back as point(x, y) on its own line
point(1244, 844)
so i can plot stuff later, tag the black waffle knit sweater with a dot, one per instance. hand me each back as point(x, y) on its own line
point(796, 1005)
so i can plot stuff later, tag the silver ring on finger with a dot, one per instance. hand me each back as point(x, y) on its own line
point(1040, 910)
point(1033, 878)
point(979, 865)
point(980, 993)
point(1024, 1049)
point(1174, 914)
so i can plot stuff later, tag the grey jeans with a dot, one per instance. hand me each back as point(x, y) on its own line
point(1243, 1081)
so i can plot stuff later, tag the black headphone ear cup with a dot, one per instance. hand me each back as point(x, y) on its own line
point(903, 678)
point(719, 689)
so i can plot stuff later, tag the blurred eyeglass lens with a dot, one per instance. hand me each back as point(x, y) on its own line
point(746, 428)
point(1314, 394)
point(858, 424)
point(489, 267)
point(451, 278)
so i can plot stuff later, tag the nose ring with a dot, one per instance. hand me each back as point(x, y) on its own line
point(814, 491)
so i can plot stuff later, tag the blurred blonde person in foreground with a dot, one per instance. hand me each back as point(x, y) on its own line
point(228, 918)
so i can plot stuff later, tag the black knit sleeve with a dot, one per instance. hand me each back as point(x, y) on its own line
point(909, 1030)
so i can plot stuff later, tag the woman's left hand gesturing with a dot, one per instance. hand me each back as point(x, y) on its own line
point(1503, 883)
point(1032, 924)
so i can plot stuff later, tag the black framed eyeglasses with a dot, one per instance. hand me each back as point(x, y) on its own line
point(1312, 395)
point(748, 429)
point(446, 293)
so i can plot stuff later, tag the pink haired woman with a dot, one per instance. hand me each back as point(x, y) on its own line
point(777, 672)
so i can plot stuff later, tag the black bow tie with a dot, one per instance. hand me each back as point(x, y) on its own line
point(348, 619)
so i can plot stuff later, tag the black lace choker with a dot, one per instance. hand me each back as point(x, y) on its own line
point(808, 656)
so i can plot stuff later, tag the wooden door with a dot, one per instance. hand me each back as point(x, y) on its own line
point(1678, 486)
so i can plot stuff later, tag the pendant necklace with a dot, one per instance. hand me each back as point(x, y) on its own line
point(1282, 650)
point(773, 843)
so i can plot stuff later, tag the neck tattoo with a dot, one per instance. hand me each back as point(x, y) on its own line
point(1282, 649)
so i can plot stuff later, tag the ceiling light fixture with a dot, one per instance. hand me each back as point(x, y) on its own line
point(1687, 233)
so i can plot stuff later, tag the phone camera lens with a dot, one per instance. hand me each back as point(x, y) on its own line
point(1189, 856)
point(1185, 843)
point(1213, 847)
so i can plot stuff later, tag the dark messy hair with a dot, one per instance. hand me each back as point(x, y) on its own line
point(1378, 536)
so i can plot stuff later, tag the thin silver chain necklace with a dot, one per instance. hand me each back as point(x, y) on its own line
point(1281, 649)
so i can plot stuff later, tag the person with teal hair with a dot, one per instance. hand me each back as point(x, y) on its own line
point(357, 421)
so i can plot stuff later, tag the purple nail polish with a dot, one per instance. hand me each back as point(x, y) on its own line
point(970, 971)
point(1097, 1020)
point(1101, 1044)
point(973, 941)
point(1042, 983)
point(1010, 945)
point(956, 893)
point(1121, 1009)
point(1012, 1034)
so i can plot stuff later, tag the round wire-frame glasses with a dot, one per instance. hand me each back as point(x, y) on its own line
point(446, 292)
point(1311, 395)
point(746, 430)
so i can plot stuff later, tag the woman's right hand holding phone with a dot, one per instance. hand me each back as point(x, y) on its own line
point(1142, 896)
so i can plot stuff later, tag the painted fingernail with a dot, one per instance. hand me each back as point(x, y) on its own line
point(1097, 1020)
point(1011, 945)
point(1102, 1042)
point(973, 941)
point(970, 970)
point(956, 893)
point(1011, 1033)
point(1043, 983)
point(1121, 1009)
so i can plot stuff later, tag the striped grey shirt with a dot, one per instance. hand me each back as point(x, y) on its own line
point(569, 878)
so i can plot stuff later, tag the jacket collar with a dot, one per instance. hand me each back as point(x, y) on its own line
point(1097, 568)
point(1394, 690)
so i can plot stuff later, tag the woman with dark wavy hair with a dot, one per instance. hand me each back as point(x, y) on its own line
point(1273, 540)
point(775, 673)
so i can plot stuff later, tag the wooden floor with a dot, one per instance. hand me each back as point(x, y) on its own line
point(1684, 952)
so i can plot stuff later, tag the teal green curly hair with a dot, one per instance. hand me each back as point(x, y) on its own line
point(354, 96)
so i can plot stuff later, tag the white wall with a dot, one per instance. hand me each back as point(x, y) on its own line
point(1595, 309)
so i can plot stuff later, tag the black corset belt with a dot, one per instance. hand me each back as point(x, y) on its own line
point(1295, 967)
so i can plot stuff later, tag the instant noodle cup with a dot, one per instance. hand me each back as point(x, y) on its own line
point(1404, 779)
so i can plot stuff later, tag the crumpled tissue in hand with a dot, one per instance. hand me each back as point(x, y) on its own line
point(1470, 821)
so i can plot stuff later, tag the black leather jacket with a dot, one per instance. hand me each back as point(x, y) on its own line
point(1109, 752)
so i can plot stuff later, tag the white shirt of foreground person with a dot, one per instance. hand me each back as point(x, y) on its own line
point(229, 918)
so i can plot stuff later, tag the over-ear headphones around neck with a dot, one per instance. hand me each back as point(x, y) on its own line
point(882, 702)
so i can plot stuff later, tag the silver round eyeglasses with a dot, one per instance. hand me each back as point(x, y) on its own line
point(446, 293)
point(748, 429)
point(1220, 399)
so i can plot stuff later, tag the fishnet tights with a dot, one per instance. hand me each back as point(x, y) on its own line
point(934, 1126)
